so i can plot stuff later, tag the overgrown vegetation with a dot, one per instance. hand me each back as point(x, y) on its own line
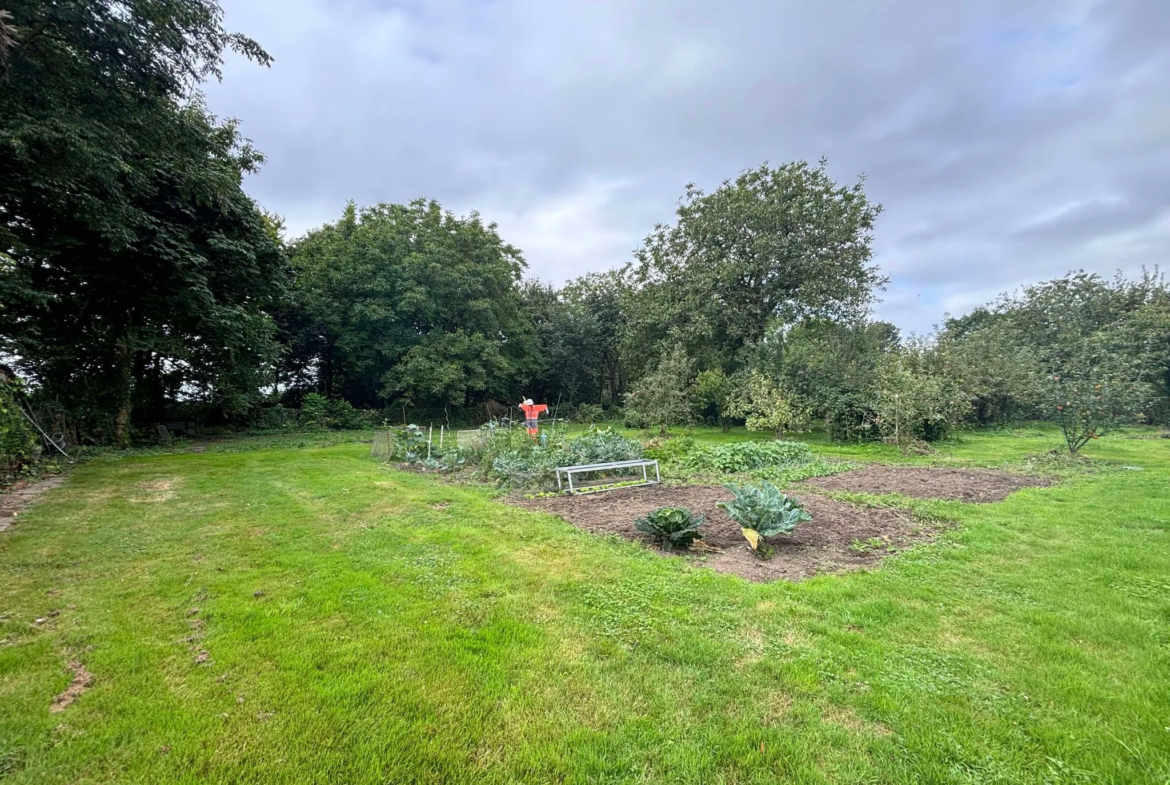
point(18, 443)
point(508, 457)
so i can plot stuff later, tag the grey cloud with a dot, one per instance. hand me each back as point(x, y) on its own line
point(1008, 141)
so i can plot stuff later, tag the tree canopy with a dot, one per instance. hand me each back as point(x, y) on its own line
point(773, 245)
point(131, 261)
point(413, 303)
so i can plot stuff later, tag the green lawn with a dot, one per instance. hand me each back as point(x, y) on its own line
point(359, 624)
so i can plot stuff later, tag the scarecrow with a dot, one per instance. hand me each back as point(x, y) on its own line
point(532, 412)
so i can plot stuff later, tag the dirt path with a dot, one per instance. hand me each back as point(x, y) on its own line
point(973, 486)
point(21, 495)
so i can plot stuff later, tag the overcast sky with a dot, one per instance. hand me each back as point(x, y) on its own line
point(1009, 142)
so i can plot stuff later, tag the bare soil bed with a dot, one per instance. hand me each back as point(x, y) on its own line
point(22, 494)
point(823, 545)
point(973, 486)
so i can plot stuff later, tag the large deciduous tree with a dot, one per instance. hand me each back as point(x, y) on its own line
point(772, 245)
point(131, 262)
point(412, 304)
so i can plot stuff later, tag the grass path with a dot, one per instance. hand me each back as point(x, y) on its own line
point(298, 616)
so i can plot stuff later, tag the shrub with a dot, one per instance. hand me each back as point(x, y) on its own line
point(746, 456)
point(918, 396)
point(713, 392)
point(590, 413)
point(766, 406)
point(341, 414)
point(314, 411)
point(662, 398)
point(671, 526)
point(670, 450)
point(272, 418)
point(17, 441)
point(763, 511)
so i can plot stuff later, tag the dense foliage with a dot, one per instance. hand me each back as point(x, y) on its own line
point(411, 304)
point(746, 456)
point(17, 440)
point(510, 457)
point(132, 264)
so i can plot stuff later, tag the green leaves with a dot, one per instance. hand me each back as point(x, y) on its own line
point(671, 526)
point(415, 304)
point(763, 511)
point(136, 268)
point(773, 244)
point(746, 456)
point(603, 445)
point(662, 398)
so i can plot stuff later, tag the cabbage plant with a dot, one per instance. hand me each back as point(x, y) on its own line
point(763, 511)
point(671, 526)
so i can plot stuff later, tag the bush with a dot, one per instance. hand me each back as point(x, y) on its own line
point(763, 512)
point(17, 441)
point(850, 417)
point(314, 411)
point(918, 396)
point(274, 418)
point(671, 526)
point(746, 457)
point(766, 406)
point(670, 450)
point(591, 413)
point(340, 414)
point(662, 398)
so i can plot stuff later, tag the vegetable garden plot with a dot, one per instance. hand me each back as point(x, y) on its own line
point(839, 537)
point(930, 482)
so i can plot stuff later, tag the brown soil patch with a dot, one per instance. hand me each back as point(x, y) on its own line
point(973, 486)
point(81, 681)
point(21, 495)
point(823, 545)
point(156, 491)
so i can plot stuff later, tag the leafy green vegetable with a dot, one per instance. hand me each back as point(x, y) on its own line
point(672, 526)
point(603, 445)
point(763, 511)
point(746, 456)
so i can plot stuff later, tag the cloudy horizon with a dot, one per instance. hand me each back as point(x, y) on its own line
point(1008, 142)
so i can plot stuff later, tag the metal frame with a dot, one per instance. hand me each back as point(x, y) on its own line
point(644, 464)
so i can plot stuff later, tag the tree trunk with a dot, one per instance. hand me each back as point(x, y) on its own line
point(122, 416)
point(328, 391)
